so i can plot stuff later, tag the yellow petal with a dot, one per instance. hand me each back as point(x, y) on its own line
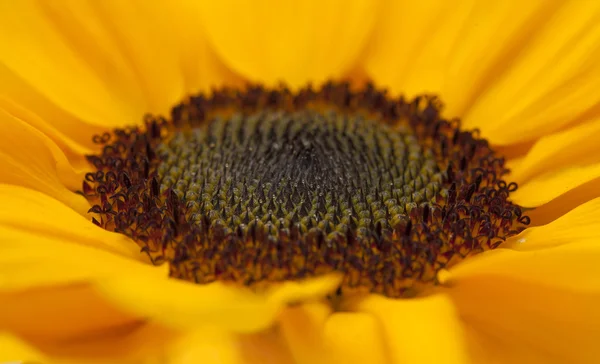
point(539, 76)
point(74, 142)
point(564, 203)
point(421, 330)
point(15, 350)
point(134, 341)
point(572, 147)
point(302, 323)
point(30, 159)
point(306, 290)
point(266, 347)
point(103, 63)
point(570, 266)
point(542, 303)
point(48, 256)
point(66, 54)
point(213, 345)
point(290, 41)
point(182, 304)
point(302, 328)
point(73, 321)
point(203, 70)
point(580, 224)
point(355, 337)
point(138, 29)
point(59, 313)
point(491, 346)
point(413, 42)
point(43, 242)
point(554, 183)
point(206, 346)
point(550, 83)
point(558, 163)
point(166, 48)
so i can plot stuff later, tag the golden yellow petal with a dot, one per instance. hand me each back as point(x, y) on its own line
point(48, 256)
point(14, 350)
point(206, 346)
point(290, 41)
point(295, 338)
point(558, 163)
point(302, 325)
point(570, 267)
point(412, 326)
point(181, 304)
point(212, 345)
point(306, 290)
point(552, 82)
point(514, 69)
point(31, 159)
point(103, 63)
point(542, 303)
point(136, 341)
point(266, 347)
point(43, 242)
point(66, 54)
point(486, 345)
point(58, 313)
point(355, 337)
point(302, 328)
point(572, 147)
point(561, 205)
point(74, 322)
point(141, 32)
point(215, 345)
point(580, 224)
point(554, 183)
point(74, 142)
point(201, 67)
point(412, 44)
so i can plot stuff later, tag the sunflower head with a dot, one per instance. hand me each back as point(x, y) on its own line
point(267, 185)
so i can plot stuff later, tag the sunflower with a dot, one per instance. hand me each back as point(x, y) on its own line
point(250, 217)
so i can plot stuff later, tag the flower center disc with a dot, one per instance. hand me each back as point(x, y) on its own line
point(264, 186)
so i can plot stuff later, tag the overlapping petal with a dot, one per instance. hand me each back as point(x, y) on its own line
point(521, 306)
point(579, 224)
point(558, 163)
point(289, 41)
point(44, 242)
point(516, 70)
point(355, 337)
point(410, 326)
point(81, 71)
point(15, 350)
point(301, 327)
point(102, 64)
point(30, 159)
point(184, 305)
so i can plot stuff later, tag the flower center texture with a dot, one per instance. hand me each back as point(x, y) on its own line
point(261, 186)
